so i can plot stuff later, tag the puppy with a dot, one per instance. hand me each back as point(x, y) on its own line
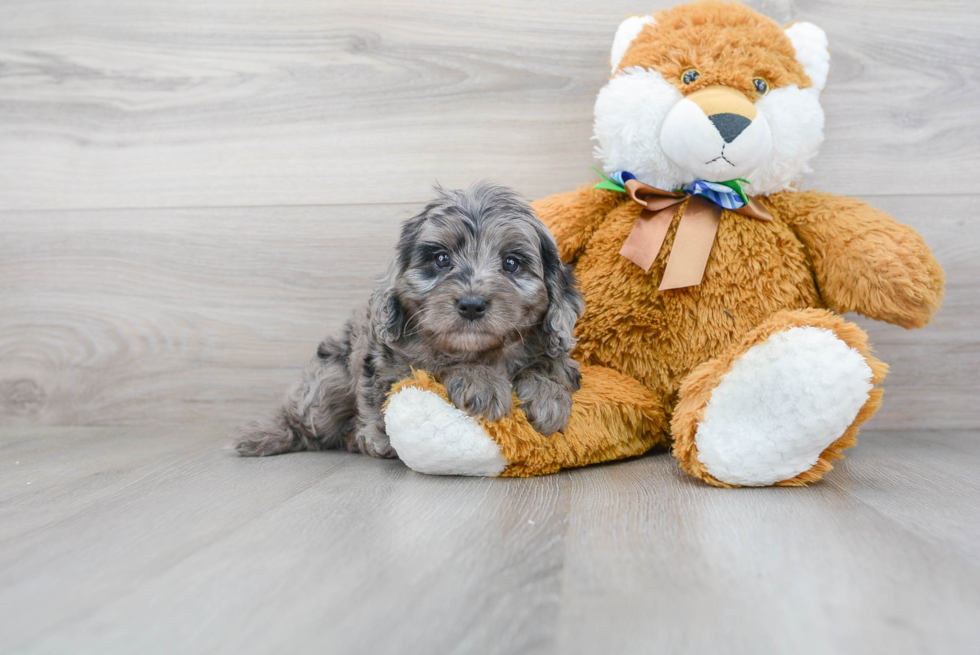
point(476, 295)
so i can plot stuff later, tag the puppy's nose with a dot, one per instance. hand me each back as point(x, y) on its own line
point(729, 126)
point(471, 308)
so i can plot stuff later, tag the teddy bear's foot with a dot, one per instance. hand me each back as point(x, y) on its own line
point(613, 417)
point(432, 436)
point(779, 406)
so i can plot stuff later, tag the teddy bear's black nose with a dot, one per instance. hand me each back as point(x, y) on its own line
point(729, 126)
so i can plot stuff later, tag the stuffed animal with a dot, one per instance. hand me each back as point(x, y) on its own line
point(713, 289)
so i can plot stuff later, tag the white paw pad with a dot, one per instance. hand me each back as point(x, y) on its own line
point(434, 437)
point(781, 405)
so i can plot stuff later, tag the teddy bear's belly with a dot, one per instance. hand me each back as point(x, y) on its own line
point(755, 269)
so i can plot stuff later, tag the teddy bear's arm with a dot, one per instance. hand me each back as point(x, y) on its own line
point(573, 216)
point(863, 259)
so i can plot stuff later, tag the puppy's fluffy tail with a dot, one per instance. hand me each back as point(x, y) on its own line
point(271, 436)
point(317, 413)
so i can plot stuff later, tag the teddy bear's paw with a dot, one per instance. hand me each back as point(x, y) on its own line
point(782, 403)
point(432, 436)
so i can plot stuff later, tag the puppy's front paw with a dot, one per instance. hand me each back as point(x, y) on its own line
point(480, 393)
point(370, 440)
point(546, 403)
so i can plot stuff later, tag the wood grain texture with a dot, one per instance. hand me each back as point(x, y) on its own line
point(818, 570)
point(135, 316)
point(159, 541)
point(167, 315)
point(111, 103)
point(193, 193)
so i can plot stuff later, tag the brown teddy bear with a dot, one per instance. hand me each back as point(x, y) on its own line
point(713, 289)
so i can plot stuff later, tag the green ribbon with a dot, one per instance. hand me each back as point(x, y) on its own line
point(607, 183)
point(735, 185)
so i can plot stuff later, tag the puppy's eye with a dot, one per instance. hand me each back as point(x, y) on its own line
point(761, 86)
point(443, 260)
point(690, 75)
point(511, 264)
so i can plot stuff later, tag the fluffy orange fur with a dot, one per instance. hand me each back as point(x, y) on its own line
point(613, 417)
point(696, 391)
point(726, 42)
point(866, 263)
point(820, 251)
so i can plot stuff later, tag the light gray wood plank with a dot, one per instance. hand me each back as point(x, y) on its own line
point(200, 551)
point(128, 317)
point(175, 310)
point(134, 104)
point(900, 476)
point(160, 541)
point(667, 564)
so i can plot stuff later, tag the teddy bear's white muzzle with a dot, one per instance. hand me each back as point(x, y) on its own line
point(717, 147)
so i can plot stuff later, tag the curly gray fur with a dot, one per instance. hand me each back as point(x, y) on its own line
point(460, 247)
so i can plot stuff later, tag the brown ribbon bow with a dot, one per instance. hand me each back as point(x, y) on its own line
point(695, 233)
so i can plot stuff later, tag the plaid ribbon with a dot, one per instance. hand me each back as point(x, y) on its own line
point(702, 204)
point(724, 194)
point(719, 194)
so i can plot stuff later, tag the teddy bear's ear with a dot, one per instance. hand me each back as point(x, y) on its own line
point(810, 43)
point(628, 30)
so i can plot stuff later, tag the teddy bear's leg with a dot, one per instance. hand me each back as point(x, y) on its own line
point(613, 417)
point(779, 406)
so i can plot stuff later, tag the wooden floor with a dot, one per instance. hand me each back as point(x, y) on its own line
point(193, 193)
point(159, 540)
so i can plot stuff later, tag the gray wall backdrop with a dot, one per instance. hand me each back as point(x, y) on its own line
point(192, 194)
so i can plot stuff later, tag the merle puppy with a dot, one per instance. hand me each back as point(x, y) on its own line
point(476, 295)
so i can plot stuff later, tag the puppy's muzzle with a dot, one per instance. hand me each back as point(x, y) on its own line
point(471, 308)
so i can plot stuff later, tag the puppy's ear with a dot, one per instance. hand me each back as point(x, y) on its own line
point(387, 312)
point(565, 304)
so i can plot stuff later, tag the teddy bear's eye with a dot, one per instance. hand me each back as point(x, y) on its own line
point(761, 86)
point(690, 75)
